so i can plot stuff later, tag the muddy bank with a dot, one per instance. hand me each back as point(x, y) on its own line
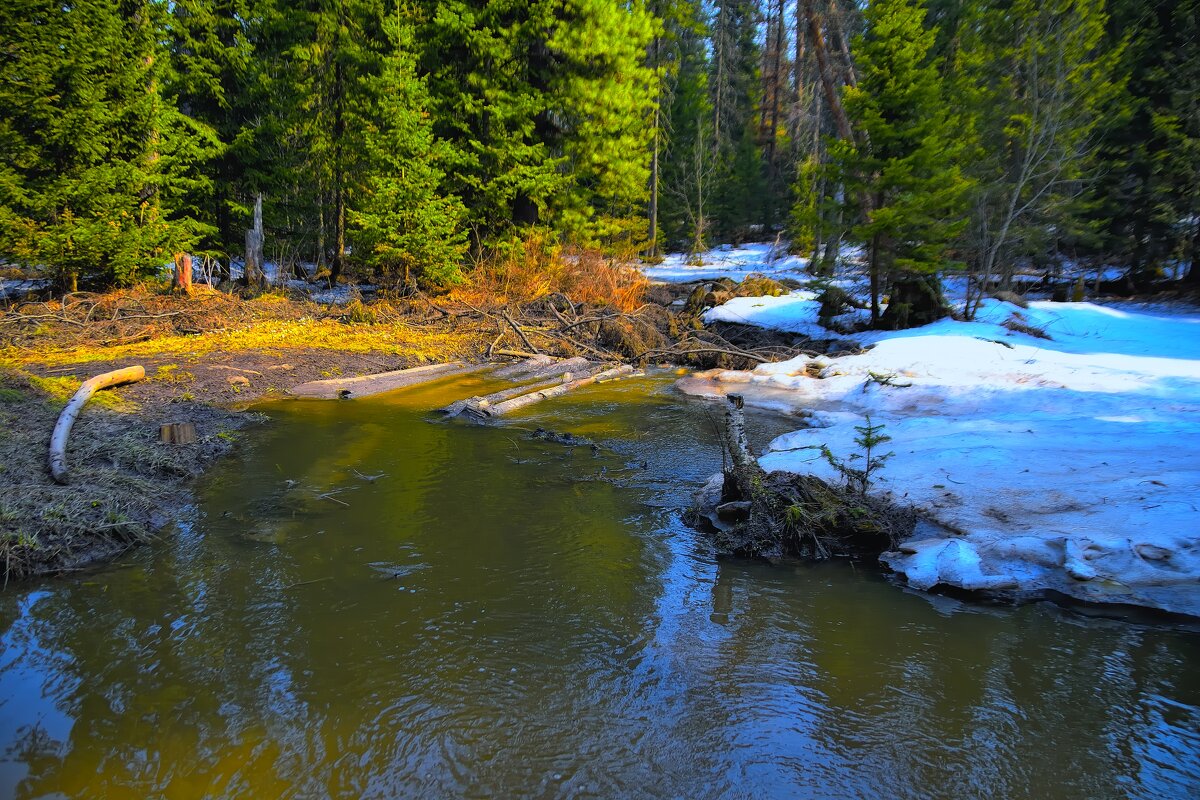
point(126, 486)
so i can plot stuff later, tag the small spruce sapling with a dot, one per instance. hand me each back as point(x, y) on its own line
point(870, 438)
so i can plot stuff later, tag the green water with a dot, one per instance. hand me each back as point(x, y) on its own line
point(504, 617)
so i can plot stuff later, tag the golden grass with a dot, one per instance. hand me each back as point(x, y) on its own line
point(267, 334)
point(535, 268)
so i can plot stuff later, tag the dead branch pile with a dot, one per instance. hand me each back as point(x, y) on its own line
point(134, 315)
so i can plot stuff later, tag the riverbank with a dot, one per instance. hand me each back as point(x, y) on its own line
point(212, 354)
point(207, 357)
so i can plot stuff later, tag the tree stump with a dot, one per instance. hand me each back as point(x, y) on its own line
point(183, 273)
point(178, 433)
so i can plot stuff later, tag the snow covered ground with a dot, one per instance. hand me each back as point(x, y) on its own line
point(729, 261)
point(14, 288)
point(1070, 463)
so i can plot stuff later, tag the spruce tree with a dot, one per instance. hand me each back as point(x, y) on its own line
point(903, 171)
point(89, 147)
point(402, 225)
point(1147, 198)
point(1042, 78)
point(601, 96)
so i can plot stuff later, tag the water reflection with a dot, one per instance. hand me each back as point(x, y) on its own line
point(500, 617)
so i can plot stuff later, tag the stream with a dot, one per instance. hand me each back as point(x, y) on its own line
point(372, 602)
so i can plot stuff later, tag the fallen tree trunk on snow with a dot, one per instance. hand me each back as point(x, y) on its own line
point(509, 406)
point(66, 420)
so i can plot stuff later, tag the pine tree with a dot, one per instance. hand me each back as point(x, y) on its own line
point(489, 71)
point(402, 224)
point(601, 95)
point(903, 170)
point(87, 142)
point(687, 163)
point(211, 59)
point(735, 92)
point(1147, 197)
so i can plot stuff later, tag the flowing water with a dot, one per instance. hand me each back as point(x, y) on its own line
point(501, 616)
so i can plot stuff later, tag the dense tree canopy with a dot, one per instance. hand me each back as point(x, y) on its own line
point(406, 137)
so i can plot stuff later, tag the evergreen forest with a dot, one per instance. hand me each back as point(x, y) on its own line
point(407, 141)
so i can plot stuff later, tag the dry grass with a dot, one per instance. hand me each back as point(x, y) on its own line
point(535, 268)
point(139, 323)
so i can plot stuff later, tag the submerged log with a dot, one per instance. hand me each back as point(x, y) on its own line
point(346, 388)
point(66, 420)
point(528, 399)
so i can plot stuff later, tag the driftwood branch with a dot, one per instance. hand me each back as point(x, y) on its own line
point(62, 429)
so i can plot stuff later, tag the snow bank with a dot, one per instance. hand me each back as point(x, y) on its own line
point(1070, 463)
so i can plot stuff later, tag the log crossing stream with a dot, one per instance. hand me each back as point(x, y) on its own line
point(374, 600)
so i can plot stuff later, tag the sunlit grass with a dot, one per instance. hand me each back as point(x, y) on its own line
point(269, 335)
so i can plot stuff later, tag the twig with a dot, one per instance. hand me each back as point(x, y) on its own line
point(521, 333)
point(306, 583)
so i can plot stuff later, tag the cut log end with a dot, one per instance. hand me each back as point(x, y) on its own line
point(178, 433)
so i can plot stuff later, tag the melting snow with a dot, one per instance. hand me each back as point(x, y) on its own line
point(729, 261)
point(1070, 463)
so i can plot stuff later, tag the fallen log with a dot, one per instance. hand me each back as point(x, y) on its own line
point(540, 367)
point(509, 406)
point(477, 405)
point(66, 420)
point(346, 388)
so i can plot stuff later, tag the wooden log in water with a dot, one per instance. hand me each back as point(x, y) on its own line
point(66, 420)
point(477, 405)
point(542, 367)
point(509, 406)
point(347, 388)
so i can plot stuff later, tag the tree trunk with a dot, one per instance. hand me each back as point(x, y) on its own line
point(177, 433)
point(66, 420)
point(652, 250)
point(826, 73)
point(839, 34)
point(509, 406)
point(339, 176)
point(254, 247)
point(744, 472)
point(874, 260)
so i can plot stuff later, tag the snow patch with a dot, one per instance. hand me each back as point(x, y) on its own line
point(1070, 463)
point(729, 261)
